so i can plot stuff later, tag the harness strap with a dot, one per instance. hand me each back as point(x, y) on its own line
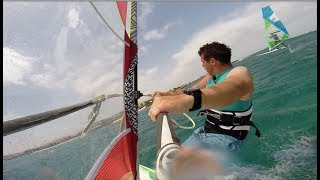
point(257, 130)
point(231, 120)
point(234, 113)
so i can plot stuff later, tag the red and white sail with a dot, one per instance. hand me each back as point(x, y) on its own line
point(119, 159)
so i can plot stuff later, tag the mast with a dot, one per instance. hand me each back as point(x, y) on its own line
point(167, 146)
point(134, 38)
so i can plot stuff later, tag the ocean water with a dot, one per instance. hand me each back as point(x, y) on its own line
point(285, 110)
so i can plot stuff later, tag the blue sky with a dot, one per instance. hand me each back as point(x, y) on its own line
point(61, 53)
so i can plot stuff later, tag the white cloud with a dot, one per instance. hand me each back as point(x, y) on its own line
point(16, 67)
point(83, 31)
point(15, 7)
point(46, 79)
point(146, 9)
point(144, 49)
point(95, 79)
point(147, 80)
point(157, 34)
point(60, 49)
point(73, 18)
point(152, 71)
point(62, 40)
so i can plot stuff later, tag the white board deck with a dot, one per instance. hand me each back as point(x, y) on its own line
point(270, 51)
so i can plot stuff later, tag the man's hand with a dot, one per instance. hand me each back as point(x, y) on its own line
point(170, 104)
point(157, 93)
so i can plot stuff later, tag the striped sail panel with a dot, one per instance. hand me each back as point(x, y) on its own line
point(113, 163)
point(117, 163)
point(275, 31)
point(122, 7)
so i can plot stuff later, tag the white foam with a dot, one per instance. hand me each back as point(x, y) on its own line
point(297, 160)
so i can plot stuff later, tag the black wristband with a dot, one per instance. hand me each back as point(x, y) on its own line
point(196, 93)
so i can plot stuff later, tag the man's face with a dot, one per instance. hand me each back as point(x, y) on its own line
point(207, 65)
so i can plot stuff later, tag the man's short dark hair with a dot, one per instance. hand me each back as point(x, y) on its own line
point(219, 51)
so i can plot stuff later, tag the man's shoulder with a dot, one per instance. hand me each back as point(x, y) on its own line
point(240, 72)
point(242, 76)
point(240, 69)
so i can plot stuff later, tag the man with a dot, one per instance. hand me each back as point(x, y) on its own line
point(275, 37)
point(225, 93)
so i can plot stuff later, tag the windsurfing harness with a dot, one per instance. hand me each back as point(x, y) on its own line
point(236, 124)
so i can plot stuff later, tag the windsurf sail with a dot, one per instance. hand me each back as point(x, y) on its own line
point(274, 30)
point(119, 159)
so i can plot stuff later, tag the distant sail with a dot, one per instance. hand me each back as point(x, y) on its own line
point(275, 32)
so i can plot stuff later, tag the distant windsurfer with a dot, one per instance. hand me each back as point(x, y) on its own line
point(225, 93)
point(275, 37)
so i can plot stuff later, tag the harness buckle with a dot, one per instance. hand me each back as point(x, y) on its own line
point(236, 120)
point(214, 115)
point(217, 116)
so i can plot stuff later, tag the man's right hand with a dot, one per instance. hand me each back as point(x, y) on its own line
point(170, 104)
point(157, 93)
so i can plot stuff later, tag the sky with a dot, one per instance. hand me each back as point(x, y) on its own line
point(60, 53)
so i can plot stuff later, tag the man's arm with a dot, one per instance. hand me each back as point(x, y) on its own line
point(238, 85)
point(202, 83)
point(168, 93)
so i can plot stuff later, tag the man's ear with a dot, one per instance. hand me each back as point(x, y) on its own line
point(213, 61)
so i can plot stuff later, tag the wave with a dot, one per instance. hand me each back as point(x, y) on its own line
point(294, 161)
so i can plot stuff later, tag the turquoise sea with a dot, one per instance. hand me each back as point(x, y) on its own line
point(285, 110)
